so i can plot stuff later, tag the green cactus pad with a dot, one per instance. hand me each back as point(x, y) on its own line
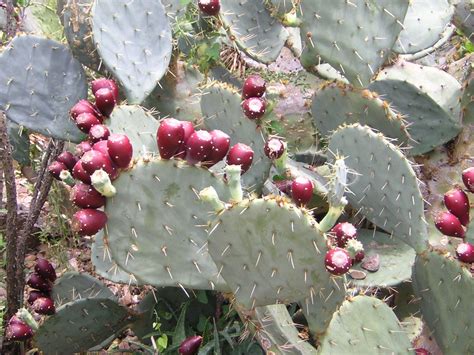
point(20, 142)
point(134, 40)
point(467, 101)
point(429, 125)
point(355, 37)
point(41, 81)
point(156, 228)
point(396, 259)
point(280, 7)
point(80, 325)
point(424, 23)
point(365, 325)
point(445, 288)
point(221, 109)
point(138, 125)
point(336, 104)
point(174, 9)
point(256, 32)
point(270, 251)
point(74, 285)
point(385, 188)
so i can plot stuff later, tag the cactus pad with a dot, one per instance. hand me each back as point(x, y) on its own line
point(134, 40)
point(20, 142)
point(40, 82)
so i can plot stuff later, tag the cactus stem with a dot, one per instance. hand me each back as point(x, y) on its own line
point(67, 178)
point(101, 182)
point(26, 317)
point(209, 195)
point(330, 218)
point(281, 163)
point(233, 180)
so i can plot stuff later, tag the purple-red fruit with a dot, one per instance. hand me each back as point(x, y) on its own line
point(188, 131)
point(170, 137)
point(85, 121)
point(198, 147)
point(284, 186)
point(45, 269)
point(220, 146)
point(55, 169)
point(468, 179)
point(105, 101)
point(254, 107)
point(457, 202)
point(301, 190)
point(68, 159)
point(240, 154)
point(98, 133)
point(254, 86)
point(84, 106)
point(15, 320)
point(337, 261)
point(190, 345)
point(44, 305)
point(274, 148)
point(34, 295)
point(421, 351)
point(88, 221)
point(360, 255)
point(94, 160)
point(37, 282)
point(85, 196)
point(105, 83)
point(80, 174)
point(465, 252)
point(209, 7)
point(343, 232)
point(120, 150)
point(449, 225)
point(83, 147)
point(102, 147)
point(18, 332)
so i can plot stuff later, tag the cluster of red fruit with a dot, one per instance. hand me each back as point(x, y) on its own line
point(39, 298)
point(338, 260)
point(253, 91)
point(209, 7)
point(452, 223)
point(102, 150)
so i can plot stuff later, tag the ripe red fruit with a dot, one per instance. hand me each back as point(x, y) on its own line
point(284, 186)
point(84, 106)
point(188, 131)
point(449, 225)
point(55, 169)
point(85, 196)
point(102, 146)
point(198, 147)
point(240, 154)
point(45, 269)
point(169, 137)
point(18, 332)
point(302, 190)
point(254, 86)
point(468, 179)
point(220, 146)
point(83, 147)
point(68, 159)
point(465, 252)
point(98, 133)
point(209, 7)
point(94, 160)
point(274, 148)
point(337, 261)
point(190, 345)
point(88, 221)
point(85, 121)
point(44, 305)
point(34, 295)
point(457, 202)
point(421, 351)
point(359, 257)
point(39, 283)
point(120, 150)
point(80, 174)
point(254, 107)
point(105, 101)
point(105, 83)
point(343, 232)
point(15, 320)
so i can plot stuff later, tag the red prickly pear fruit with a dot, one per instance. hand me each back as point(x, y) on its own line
point(85, 196)
point(101, 146)
point(457, 202)
point(449, 225)
point(198, 147)
point(85, 121)
point(45, 269)
point(188, 131)
point(190, 345)
point(465, 252)
point(468, 179)
point(98, 133)
point(283, 185)
point(84, 106)
point(68, 159)
point(88, 221)
point(55, 169)
point(15, 320)
point(102, 83)
point(254, 86)
point(301, 190)
point(422, 351)
point(343, 232)
point(83, 147)
point(169, 137)
point(337, 261)
point(80, 174)
point(274, 148)
point(94, 160)
point(120, 150)
point(254, 107)
point(18, 332)
point(209, 7)
point(359, 256)
point(105, 101)
point(240, 154)
point(38, 282)
point(44, 305)
point(220, 146)
point(34, 295)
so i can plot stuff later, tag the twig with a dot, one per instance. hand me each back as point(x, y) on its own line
point(11, 21)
